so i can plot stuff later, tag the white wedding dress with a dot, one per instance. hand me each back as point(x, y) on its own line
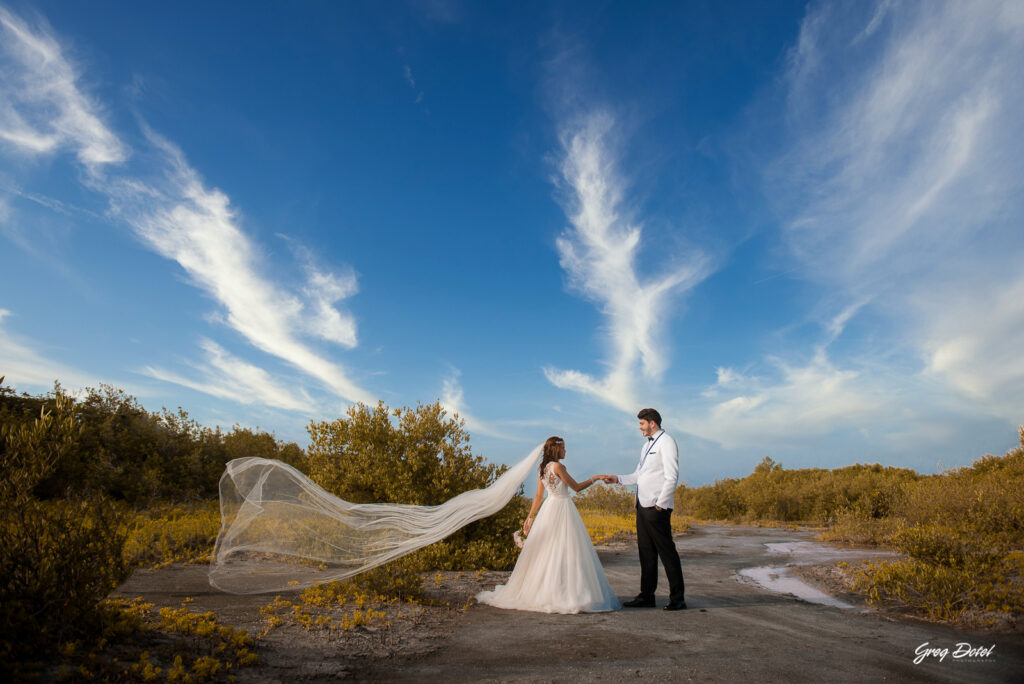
point(558, 570)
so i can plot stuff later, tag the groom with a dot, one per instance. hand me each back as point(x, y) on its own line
point(655, 478)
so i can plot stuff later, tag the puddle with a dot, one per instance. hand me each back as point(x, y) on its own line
point(779, 579)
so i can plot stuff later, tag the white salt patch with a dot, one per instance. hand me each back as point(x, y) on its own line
point(805, 553)
point(796, 547)
point(780, 581)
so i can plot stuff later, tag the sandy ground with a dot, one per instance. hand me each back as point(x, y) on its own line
point(734, 631)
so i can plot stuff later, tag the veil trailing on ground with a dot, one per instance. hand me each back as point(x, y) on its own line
point(280, 531)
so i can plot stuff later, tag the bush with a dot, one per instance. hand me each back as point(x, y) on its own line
point(133, 455)
point(415, 456)
point(58, 559)
point(173, 533)
point(608, 499)
point(807, 494)
point(962, 532)
point(138, 642)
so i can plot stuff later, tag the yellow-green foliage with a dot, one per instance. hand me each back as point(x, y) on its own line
point(603, 526)
point(808, 494)
point(607, 499)
point(963, 534)
point(133, 455)
point(416, 456)
point(57, 558)
point(358, 606)
point(609, 511)
point(962, 531)
point(173, 533)
point(399, 579)
point(171, 644)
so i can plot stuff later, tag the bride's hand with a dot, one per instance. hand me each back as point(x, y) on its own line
point(527, 525)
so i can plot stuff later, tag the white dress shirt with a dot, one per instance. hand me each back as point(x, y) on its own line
point(657, 473)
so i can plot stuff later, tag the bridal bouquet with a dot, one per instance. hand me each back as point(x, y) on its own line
point(519, 537)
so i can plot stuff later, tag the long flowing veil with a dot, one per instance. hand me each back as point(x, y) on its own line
point(280, 531)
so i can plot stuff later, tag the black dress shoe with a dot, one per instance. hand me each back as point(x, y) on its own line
point(675, 605)
point(639, 603)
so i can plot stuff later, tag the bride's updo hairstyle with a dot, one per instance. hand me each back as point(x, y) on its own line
point(554, 449)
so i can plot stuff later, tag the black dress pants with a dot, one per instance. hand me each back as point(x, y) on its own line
point(654, 540)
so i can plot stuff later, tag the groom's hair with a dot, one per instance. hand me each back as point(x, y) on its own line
point(651, 415)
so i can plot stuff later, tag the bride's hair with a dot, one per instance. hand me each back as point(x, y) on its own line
point(554, 449)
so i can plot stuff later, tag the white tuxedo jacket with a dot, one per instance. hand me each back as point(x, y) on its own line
point(657, 473)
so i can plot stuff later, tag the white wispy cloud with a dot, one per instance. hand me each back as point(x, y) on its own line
point(453, 401)
point(972, 339)
point(197, 227)
point(411, 80)
point(911, 167)
point(899, 185)
point(792, 402)
point(229, 377)
point(324, 289)
point(176, 215)
point(599, 254)
point(43, 110)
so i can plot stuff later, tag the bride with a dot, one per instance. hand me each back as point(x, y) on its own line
point(558, 570)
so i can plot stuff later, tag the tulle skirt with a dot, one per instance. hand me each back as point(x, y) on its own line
point(558, 570)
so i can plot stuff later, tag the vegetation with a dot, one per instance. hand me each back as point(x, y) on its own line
point(172, 533)
point(961, 531)
point(609, 512)
point(416, 456)
point(91, 488)
point(963, 536)
point(805, 495)
point(137, 642)
point(58, 559)
point(352, 603)
point(85, 495)
point(132, 455)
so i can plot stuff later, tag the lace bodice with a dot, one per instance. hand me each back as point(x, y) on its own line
point(552, 483)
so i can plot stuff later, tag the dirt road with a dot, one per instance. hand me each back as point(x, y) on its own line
point(734, 631)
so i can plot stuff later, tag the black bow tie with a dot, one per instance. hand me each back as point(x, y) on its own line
point(650, 439)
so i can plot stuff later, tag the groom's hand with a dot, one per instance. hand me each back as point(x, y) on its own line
point(610, 479)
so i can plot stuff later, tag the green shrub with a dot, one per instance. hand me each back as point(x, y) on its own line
point(137, 456)
point(59, 558)
point(962, 532)
point(400, 579)
point(608, 499)
point(415, 456)
point(807, 494)
point(171, 533)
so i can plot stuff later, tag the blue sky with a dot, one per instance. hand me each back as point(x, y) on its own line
point(795, 229)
